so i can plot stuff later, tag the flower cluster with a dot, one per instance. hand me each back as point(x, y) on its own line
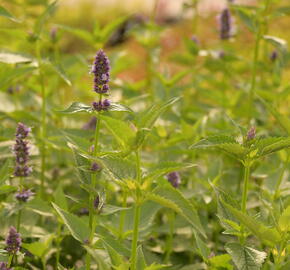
point(174, 179)
point(226, 24)
point(13, 241)
point(101, 71)
point(21, 151)
point(3, 266)
point(23, 195)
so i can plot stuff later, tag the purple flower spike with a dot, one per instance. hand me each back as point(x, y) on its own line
point(21, 151)
point(226, 24)
point(251, 134)
point(174, 179)
point(3, 266)
point(24, 195)
point(101, 70)
point(13, 241)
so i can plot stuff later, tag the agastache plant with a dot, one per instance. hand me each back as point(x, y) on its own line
point(13, 241)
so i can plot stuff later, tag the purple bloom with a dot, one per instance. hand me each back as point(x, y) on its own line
point(226, 24)
point(13, 241)
point(3, 266)
point(21, 151)
point(251, 134)
point(101, 105)
point(24, 195)
point(273, 56)
point(97, 202)
point(174, 179)
point(101, 70)
point(95, 167)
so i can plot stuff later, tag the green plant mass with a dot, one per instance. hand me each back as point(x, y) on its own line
point(144, 138)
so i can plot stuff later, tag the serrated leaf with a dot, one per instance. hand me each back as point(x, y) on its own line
point(120, 130)
point(184, 207)
point(245, 258)
point(269, 236)
point(274, 146)
point(284, 220)
point(77, 227)
point(202, 247)
point(115, 244)
point(213, 141)
point(60, 198)
point(36, 248)
point(221, 262)
point(76, 107)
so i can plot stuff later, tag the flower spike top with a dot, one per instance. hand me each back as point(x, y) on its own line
point(21, 151)
point(13, 241)
point(251, 134)
point(101, 70)
point(226, 24)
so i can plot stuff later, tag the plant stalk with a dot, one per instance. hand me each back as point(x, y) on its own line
point(137, 214)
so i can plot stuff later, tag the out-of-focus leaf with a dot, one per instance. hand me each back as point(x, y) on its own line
point(14, 58)
point(6, 14)
point(77, 107)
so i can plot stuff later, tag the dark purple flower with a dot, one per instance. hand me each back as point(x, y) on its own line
point(273, 56)
point(97, 202)
point(174, 179)
point(251, 134)
point(95, 167)
point(226, 24)
point(13, 241)
point(3, 266)
point(101, 70)
point(24, 195)
point(101, 105)
point(106, 104)
point(21, 151)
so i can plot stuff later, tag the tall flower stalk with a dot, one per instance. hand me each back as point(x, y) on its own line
point(101, 71)
point(13, 244)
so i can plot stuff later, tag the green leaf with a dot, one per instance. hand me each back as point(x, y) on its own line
point(116, 258)
point(76, 107)
point(99, 258)
point(60, 198)
point(213, 141)
point(6, 14)
point(115, 244)
point(221, 262)
point(77, 227)
point(269, 236)
point(184, 207)
point(247, 17)
point(14, 58)
point(141, 263)
point(117, 107)
point(202, 247)
point(120, 130)
point(7, 189)
point(61, 72)
point(245, 258)
point(273, 145)
point(36, 248)
point(284, 220)
point(149, 117)
point(4, 171)
point(108, 30)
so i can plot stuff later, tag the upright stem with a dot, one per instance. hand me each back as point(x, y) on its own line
point(20, 210)
point(245, 193)
point(122, 216)
point(43, 119)
point(92, 220)
point(137, 213)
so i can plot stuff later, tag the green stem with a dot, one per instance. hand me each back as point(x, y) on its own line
point(58, 244)
point(20, 210)
point(122, 216)
point(92, 220)
point(10, 259)
point(245, 193)
point(278, 184)
point(169, 242)
point(43, 119)
point(137, 214)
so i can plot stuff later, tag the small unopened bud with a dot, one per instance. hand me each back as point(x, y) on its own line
point(251, 134)
point(95, 167)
